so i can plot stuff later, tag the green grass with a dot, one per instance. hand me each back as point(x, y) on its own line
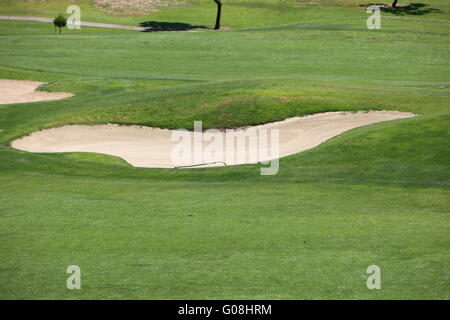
point(375, 195)
point(237, 13)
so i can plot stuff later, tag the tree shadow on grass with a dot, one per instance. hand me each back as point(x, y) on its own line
point(155, 26)
point(414, 9)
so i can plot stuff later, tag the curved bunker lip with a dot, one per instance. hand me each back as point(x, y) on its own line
point(21, 91)
point(154, 147)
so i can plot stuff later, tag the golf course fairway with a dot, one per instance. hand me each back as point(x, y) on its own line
point(372, 194)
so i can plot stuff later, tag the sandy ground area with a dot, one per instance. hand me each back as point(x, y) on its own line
point(19, 91)
point(157, 148)
point(134, 6)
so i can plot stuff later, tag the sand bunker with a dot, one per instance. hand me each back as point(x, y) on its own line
point(153, 147)
point(19, 91)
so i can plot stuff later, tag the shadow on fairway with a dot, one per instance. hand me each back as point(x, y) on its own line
point(414, 9)
point(155, 26)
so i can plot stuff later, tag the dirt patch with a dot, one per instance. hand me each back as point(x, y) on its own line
point(132, 7)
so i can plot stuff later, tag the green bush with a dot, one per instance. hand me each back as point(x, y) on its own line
point(60, 21)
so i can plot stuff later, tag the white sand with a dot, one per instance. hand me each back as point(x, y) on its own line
point(19, 91)
point(152, 147)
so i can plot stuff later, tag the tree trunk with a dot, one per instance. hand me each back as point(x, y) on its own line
point(394, 4)
point(219, 13)
point(59, 29)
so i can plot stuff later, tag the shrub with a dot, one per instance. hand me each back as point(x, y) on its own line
point(60, 21)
